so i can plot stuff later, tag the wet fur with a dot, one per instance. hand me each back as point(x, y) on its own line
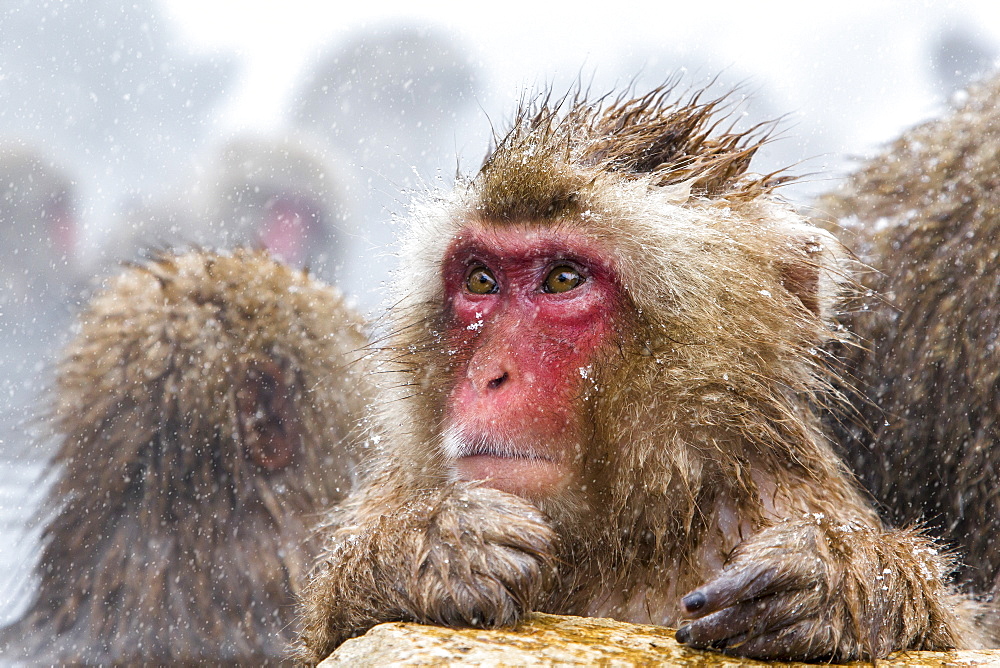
point(925, 379)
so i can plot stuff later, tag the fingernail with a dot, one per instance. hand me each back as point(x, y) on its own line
point(683, 635)
point(694, 601)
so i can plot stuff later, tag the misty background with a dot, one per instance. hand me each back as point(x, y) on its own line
point(306, 127)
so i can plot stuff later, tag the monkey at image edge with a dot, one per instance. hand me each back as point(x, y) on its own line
point(604, 358)
point(923, 377)
point(205, 413)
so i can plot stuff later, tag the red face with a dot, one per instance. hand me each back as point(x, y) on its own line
point(62, 229)
point(287, 230)
point(529, 309)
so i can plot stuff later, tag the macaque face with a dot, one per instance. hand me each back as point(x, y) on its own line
point(62, 227)
point(287, 229)
point(528, 311)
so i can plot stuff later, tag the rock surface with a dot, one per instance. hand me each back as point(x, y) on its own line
point(546, 640)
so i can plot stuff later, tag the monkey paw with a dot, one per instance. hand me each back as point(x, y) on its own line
point(771, 601)
point(487, 560)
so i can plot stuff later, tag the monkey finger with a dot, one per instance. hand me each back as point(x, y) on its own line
point(809, 639)
point(732, 625)
point(732, 586)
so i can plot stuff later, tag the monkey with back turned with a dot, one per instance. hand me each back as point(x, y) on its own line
point(602, 363)
point(924, 377)
point(205, 412)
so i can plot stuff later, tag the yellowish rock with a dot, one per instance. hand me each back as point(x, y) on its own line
point(550, 640)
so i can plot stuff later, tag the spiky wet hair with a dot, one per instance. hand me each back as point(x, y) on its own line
point(665, 138)
point(627, 158)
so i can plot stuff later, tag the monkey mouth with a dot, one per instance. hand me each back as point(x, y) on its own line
point(506, 465)
point(456, 446)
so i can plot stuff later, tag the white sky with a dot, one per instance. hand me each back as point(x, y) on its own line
point(803, 52)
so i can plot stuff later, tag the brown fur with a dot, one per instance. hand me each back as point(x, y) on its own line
point(925, 214)
point(705, 462)
point(167, 542)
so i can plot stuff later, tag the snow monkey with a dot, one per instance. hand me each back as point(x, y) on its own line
point(602, 367)
point(204, 410)
point(38, 230)
point(926, 438)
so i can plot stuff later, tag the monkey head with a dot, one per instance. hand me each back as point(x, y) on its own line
point(212, 365)
point(581, 298)
point(205, 409)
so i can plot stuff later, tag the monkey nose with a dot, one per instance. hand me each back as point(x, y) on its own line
point(495, 383)
point(491, 372)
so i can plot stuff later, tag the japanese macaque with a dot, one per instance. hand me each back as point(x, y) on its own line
point(926, 376)
point(38, 227)
point(39, 277)
point(601, 368)
point(285, 195)
point(388, 96)
point(205, 411)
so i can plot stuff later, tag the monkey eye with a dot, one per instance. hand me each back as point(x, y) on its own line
point(562, 279)
point(481, 281)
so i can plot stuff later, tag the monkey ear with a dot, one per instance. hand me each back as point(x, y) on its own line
point(802, 280)
point(269, 425)
point(812, 273)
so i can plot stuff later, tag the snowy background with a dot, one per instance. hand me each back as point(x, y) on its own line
point(148, 124)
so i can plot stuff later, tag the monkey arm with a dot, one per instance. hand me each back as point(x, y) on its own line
point(459, 555)
point(819, 588)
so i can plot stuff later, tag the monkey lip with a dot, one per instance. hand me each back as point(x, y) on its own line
point(505, 466)
point(524, 476)
point(485, 450)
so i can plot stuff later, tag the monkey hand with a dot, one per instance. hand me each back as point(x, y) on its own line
point(459, 555)
point(487, 558)
point(813, 589)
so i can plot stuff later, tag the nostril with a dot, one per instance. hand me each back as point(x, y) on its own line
point(497, 382)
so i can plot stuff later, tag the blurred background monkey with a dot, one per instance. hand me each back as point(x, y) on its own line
point(205, 411)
